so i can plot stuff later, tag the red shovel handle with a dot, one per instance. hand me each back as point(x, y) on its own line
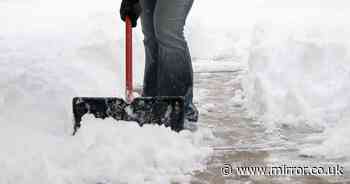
point(128, 60)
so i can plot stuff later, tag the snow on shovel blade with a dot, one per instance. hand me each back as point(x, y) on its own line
point(168, 111)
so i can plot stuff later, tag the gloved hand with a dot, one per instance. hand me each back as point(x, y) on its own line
point(131, 8)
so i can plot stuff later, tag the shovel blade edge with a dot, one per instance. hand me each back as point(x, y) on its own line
point(162, 110)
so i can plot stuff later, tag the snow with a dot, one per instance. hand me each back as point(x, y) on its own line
point(335, 144)
point(103, 151)
point(296, 53)
point(299, 73)
point(52, 51)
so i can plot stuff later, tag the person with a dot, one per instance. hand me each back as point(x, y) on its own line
point(168, 66)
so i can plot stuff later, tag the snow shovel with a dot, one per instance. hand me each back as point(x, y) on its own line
point(161, 110)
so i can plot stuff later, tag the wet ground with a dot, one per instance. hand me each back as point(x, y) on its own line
point(244, 141)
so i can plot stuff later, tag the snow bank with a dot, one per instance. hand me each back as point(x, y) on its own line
point(302, 76)
point(299, 71)
point(297, 55)
point(103, 151)
point(336, 143)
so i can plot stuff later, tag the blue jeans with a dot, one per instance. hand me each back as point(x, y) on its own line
point(168, 68)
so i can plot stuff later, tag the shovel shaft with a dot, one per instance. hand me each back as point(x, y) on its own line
point(128, 60)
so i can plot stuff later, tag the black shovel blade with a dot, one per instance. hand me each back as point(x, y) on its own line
point(162, 110)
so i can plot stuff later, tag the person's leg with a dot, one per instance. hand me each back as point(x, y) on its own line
point(175, 73)
point(151, 48)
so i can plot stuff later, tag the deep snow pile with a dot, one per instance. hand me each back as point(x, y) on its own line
point(51, 51)
point(103, 151)
point(299, 72)
point(297, 56)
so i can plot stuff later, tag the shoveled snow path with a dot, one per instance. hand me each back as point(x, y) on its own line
point(221, 102)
